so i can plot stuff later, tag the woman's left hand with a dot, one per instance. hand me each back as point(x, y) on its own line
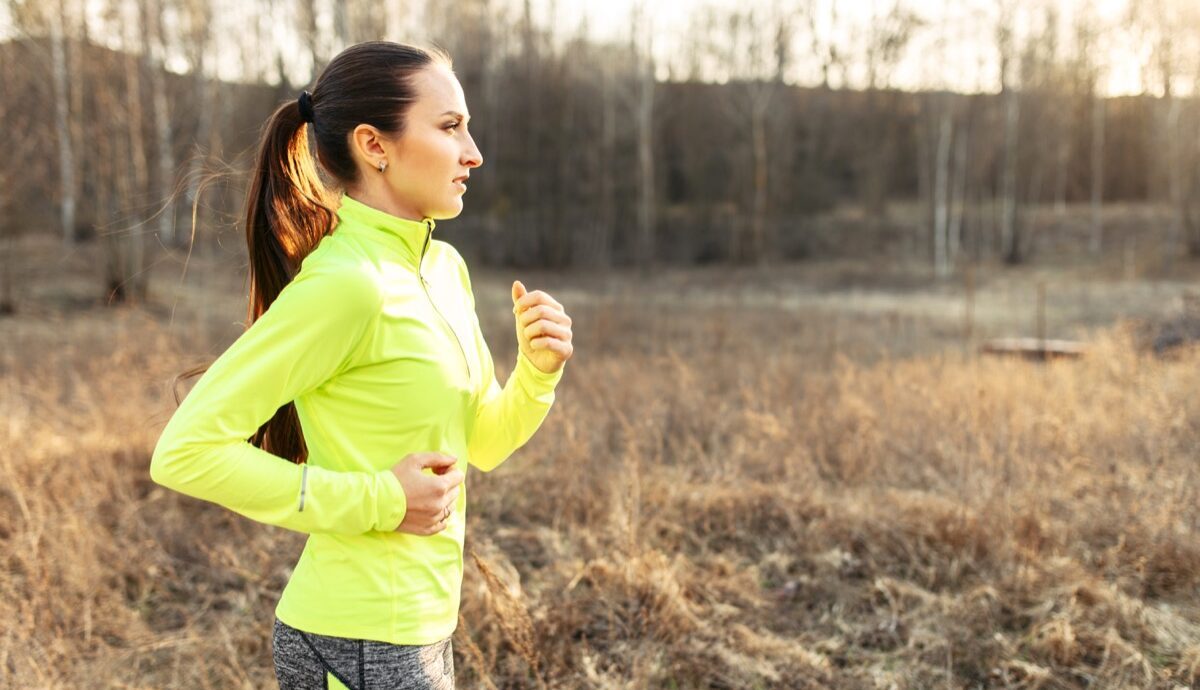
point(543, 328)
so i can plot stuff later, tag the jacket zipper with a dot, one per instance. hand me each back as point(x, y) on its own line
point(425, 287)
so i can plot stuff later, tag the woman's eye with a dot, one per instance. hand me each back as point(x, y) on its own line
point(452, 125)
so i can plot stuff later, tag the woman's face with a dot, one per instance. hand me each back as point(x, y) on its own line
point(428, 163)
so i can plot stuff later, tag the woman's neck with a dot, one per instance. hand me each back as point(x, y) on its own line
point(377, 197)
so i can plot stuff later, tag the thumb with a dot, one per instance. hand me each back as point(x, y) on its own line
point(518, 291)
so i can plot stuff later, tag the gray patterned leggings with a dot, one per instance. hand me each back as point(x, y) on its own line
point(307, 661)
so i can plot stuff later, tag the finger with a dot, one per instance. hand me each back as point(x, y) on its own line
point(529, 299)
point(553, 344)
point(547, 327)
point(452, 479)
point(437, 460)
point(543, 311)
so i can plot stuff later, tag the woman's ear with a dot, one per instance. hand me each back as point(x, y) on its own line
point(369, 144)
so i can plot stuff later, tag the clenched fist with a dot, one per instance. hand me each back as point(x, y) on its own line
point(430, 498)
point(543, 328)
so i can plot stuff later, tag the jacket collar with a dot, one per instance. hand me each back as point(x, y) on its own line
point(408, 236)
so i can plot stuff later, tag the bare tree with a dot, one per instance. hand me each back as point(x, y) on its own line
point(958, 189)
point(936, 143)
point(941, 188)
point(755, 48)
point(62, 109)
point(492, 78)
point(206, 102)
point(887, 37)
point(642, 45)
point(1169, 27)
point(1089, 69)
point(1043, 91)
point(23, 167)
point(1010, 237)
point(824, 50)
point(127, 279)
point(306, 27)
point(153, 52)
point(607, 149)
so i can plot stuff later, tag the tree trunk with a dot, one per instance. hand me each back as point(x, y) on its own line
point(1009, 221)
point(608, 194)
point(154, 52)
point(1175, 173)
point(134, 280)
point(645, 150)
point(758, 219)
point(66, 157)
point(925, 193)
point(941, 194)
point(1097, 234)
point(1062, 159)
point(958, 194)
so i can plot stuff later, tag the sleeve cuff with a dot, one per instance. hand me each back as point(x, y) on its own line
point(393, 504)
point(535, 382)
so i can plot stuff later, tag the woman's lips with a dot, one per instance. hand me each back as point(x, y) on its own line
point(461, 186)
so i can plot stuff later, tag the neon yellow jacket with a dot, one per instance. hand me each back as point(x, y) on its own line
point(380, 364)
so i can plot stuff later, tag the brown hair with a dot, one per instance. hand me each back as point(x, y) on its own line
point(289, 208)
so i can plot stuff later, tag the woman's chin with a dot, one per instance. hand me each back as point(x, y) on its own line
point(446, 212)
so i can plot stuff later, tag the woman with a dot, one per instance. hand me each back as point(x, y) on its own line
point(370, 350)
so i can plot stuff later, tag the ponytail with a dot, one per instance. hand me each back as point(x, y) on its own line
point(288, 208)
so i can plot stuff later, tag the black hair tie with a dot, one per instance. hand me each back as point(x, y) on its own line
point(306, 107)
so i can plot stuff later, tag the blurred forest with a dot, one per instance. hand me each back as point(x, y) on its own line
point(782, 227)
point(598, 153)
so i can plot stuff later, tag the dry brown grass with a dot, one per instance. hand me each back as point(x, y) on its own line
point(721, 498)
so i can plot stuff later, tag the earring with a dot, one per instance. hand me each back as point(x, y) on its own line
point(382, 166)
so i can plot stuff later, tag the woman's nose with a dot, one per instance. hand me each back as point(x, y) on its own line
point(474, 157)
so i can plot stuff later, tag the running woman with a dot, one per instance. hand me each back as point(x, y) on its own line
point(362, 388)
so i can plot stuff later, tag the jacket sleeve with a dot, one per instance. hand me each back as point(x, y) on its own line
point(313, 330)
point(505, 418)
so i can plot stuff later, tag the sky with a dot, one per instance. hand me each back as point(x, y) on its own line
point(966, 61)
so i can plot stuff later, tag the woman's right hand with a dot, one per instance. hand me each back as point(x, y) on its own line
point(428, 495)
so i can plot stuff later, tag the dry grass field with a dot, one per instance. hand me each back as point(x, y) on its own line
point(795, 477)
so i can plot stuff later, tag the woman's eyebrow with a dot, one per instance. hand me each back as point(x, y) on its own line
point(456, 114)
